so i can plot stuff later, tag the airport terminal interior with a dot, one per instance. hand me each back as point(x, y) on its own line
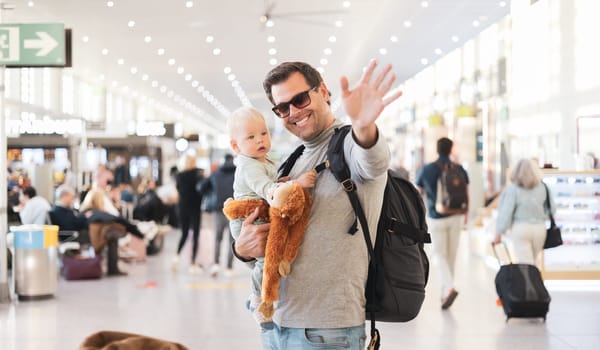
point(107, 106)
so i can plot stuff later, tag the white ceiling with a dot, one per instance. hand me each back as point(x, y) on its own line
point(301, 28)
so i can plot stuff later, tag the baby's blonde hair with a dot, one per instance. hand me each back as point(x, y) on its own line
point(238, 116)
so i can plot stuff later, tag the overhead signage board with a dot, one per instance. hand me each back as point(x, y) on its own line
point(33, 45)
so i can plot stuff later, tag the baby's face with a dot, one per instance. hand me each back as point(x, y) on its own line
point(252, 138)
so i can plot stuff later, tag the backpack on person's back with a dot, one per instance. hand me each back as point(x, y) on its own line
point(398, 265)
point(452, 197)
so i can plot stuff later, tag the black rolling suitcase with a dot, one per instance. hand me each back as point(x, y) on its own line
point(521, 289)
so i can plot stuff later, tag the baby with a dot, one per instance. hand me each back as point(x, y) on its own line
point(255, 178)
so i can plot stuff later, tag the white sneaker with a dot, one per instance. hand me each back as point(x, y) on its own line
point(175, 263)
point(228, 273)
point(214, 270)
point(195, 269)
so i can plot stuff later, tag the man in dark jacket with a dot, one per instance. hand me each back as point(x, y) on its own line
point(221, 184)
point(63, 214)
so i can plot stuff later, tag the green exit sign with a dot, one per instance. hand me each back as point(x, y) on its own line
point(32, 44)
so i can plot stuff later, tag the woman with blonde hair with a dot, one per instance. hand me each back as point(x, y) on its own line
point(189, 209)
point(522, 212)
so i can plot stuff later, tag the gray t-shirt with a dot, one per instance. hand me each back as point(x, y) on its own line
point(326, 286)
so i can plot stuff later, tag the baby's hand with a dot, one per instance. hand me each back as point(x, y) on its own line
point(307, 180)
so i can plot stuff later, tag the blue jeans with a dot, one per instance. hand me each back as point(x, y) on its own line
point(283, 338)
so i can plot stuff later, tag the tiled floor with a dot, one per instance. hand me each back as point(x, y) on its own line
point(206, 313)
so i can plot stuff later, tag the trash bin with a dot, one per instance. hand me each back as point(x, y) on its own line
point(35, 267)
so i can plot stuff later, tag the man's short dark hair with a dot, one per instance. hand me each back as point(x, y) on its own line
point(283, 71)
point(228, 157)
point(29, 192)
point(444, 146)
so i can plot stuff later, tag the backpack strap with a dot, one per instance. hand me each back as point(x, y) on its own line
point(340, 170)
point(286, 167)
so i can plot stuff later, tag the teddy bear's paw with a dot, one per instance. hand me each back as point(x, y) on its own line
point(284, 268)
point(266, 309)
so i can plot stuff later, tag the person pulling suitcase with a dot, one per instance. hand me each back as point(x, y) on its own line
point(521, 289)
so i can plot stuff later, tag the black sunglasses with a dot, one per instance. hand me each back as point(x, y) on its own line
point(300, 100)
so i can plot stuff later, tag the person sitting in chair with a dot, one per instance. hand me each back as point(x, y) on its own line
point(62, 213)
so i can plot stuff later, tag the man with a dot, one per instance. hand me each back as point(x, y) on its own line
point(445, 229)
point(323, 298)
point(63, 214)
point(34, 209)
point(221, 183)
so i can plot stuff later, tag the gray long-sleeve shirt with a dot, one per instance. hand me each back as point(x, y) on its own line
point(326, 286)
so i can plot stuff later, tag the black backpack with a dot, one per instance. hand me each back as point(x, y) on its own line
point(451, 197)
point(398, 265)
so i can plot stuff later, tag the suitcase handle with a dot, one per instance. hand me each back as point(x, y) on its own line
point(505, 249)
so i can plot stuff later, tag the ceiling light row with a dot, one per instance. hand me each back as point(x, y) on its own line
point(241, 94)
point(163, 89)
point(408, 24)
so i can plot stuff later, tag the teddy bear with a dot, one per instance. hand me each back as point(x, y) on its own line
point(288, 215)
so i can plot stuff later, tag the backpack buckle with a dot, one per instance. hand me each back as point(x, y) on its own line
point(348, 185)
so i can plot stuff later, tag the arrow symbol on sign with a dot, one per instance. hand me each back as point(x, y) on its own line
point(45, 43)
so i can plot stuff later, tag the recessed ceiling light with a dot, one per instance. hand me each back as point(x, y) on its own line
point(133, 70)
point(231, 77)
point(147, 38)
point(455, 38)
point(339, 24)
point(160, 52)
point(424, 4)
point(346, 4)
point(145, 77)
point(104, 52)
point(321, 70)
point(502, 3)
point(327, 51)
point(273, 61)
point(407, 24)
point(216, 51)
point(154, 83)
point(85, 38)
point(332, 39)
point(270, 23)
point(227, 70)
point(271, 39)
point(394, 39)
point(131, 24)
point(171, 61)
point(383, 51)
point(210, 38)
point(272, 51)
point(121, 61)
point(200, 89)
point(195, 83)
point(188, 77)
point(189, 4)
point(438, 51)
point(163, 89)
point(323, 61)
point(475, 23)
point(110, 3)
point(424, 61)
point(180, 70)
